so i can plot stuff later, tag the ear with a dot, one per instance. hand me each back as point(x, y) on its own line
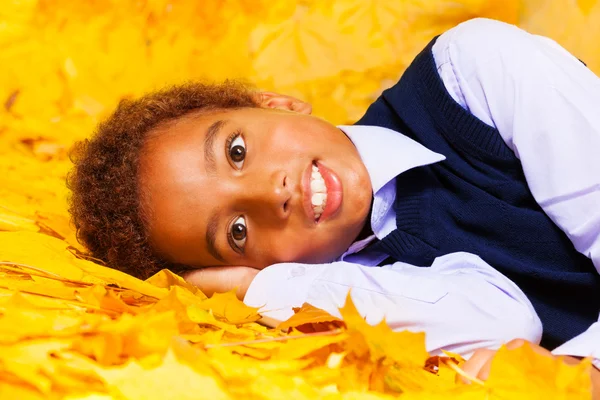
point(283, 102)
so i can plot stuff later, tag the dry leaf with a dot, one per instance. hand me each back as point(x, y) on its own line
point(310, 318)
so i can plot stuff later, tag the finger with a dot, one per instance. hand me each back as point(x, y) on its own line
point(515, 344)
point(478, 365)
point(212, 279)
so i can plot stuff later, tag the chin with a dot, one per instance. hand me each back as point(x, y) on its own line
point(320, 258)
point(329, 255)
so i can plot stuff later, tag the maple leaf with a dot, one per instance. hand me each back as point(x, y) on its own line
point(403, 348)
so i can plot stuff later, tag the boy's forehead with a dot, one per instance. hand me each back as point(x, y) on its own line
point(197, 122)
point(191, 123)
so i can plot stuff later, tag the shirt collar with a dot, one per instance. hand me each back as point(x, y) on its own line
point(387, 153)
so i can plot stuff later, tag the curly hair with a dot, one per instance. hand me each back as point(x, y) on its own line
point(105, 205)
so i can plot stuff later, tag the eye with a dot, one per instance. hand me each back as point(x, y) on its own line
point(237, 234)
point(237, 151)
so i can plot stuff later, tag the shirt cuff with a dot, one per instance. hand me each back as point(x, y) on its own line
point(278, 288)
point(586, 344)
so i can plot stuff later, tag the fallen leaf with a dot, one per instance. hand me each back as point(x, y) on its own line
point(228, 307)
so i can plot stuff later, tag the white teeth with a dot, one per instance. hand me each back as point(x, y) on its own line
point(318, 186)
point(319, 192)
point(318, 199)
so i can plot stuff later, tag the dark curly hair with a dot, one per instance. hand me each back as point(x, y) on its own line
point(105, 203)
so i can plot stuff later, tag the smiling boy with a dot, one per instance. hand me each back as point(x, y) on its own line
point(480, 164)
point(252, 169)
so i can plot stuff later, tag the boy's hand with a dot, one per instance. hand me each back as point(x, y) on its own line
point(222, 279)
point(480, 363)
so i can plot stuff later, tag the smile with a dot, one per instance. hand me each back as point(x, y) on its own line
point(323, 192)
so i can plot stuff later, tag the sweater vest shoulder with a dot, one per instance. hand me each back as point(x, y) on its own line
point(478, 201)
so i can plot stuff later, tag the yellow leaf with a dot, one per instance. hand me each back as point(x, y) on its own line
point(171, 379)
point(31, 362)
point(19, 391)
point(51, 255)
point(403, 348)
point(112, 342)
point(13, 222)
point(166, 279)
point(303, 346)
point(228, 307)
point(19, 324)
point(523, 373)
point(209, 337)
point(586, 5)
point(306, 47)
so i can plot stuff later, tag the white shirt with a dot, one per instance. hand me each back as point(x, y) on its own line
point(546, 105)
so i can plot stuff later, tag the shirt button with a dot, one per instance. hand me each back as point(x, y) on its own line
point(298, 271)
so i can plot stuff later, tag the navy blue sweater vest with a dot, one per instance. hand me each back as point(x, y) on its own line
point(477, 201)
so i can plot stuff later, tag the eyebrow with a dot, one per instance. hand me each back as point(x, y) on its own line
point(211, 236)
point(209, 146)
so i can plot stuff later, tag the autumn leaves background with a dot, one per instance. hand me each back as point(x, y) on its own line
point(69, 327)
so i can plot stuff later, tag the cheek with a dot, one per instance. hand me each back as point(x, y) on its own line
point(299, 134)
point(286, 145)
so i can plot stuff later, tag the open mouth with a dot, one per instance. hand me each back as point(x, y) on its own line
point(323, 192)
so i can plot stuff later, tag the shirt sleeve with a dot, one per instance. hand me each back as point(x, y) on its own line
point(545, 103)
point(460, 301)
point(585, 345)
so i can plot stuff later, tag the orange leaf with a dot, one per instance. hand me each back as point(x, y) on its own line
point(311, 318)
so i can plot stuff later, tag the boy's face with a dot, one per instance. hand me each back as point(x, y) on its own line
point(236, 187)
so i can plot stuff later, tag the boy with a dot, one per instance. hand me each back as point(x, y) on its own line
point(483, 155)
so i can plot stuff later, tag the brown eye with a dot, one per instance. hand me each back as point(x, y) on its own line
point(238, 232)
point(237, 151)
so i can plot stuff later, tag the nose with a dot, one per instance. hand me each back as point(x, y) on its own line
point(268, 196)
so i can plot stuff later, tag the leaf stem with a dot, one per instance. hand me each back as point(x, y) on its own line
point(276, 339)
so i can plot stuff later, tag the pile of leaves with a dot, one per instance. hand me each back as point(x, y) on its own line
point(71, 328)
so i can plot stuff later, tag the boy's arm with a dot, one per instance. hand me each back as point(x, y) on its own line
point(546, 105)
point(461, 302)
point(221, 279)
